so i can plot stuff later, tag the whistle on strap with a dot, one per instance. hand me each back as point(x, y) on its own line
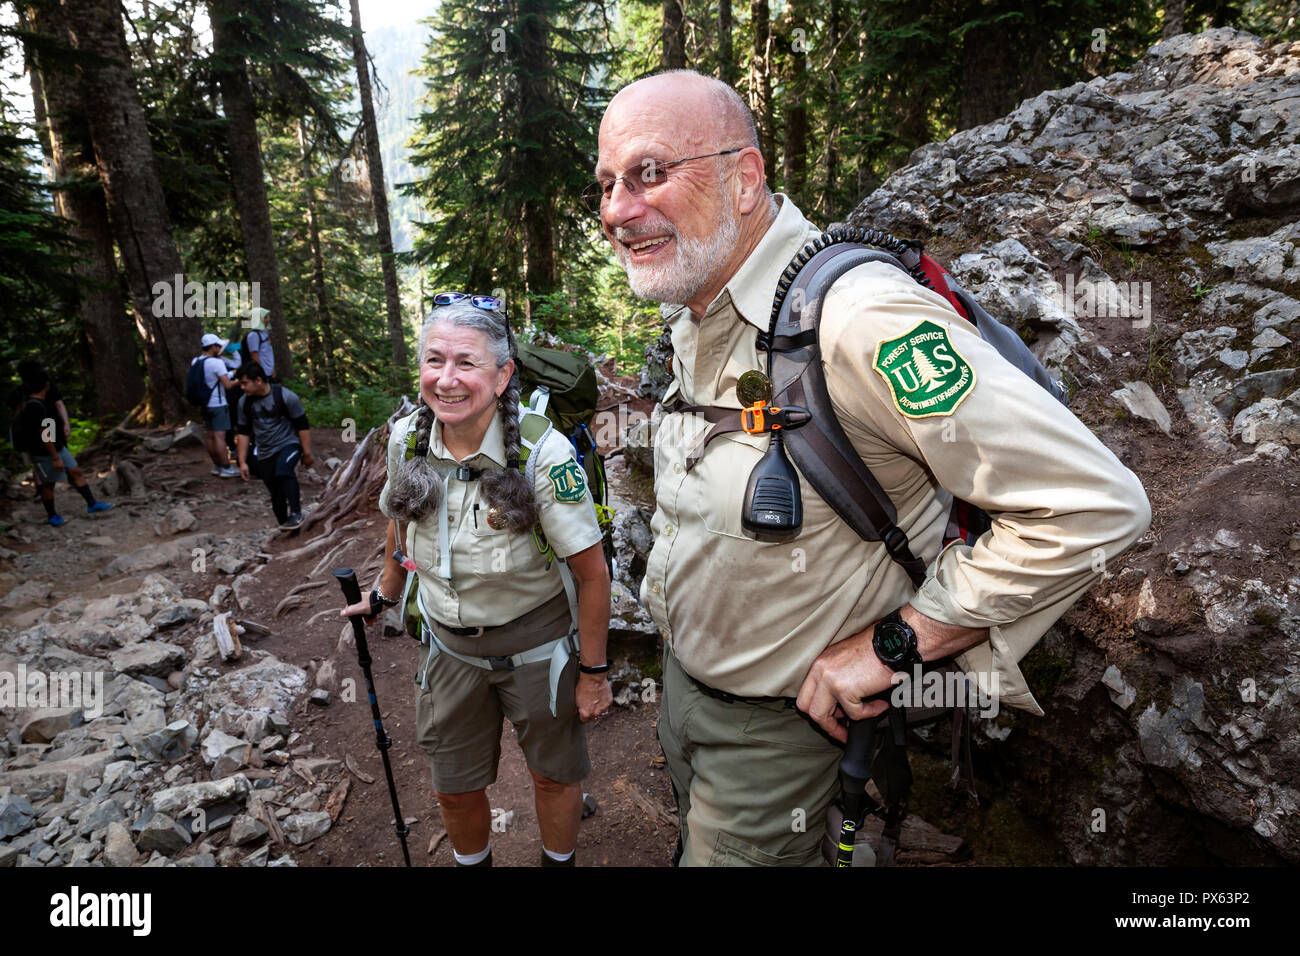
point(762, 417)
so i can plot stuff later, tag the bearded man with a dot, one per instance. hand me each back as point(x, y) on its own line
point(768, 646)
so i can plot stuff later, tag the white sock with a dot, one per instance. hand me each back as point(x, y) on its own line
point(557, 857)
point(473, 858)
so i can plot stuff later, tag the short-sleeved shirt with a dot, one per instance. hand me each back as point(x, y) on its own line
point(259, 344)
point(271, 430)
point(496, 574)
point(213, 369)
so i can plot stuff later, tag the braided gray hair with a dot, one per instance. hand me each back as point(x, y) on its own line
point(417, 488)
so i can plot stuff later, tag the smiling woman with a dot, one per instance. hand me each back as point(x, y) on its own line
point(498, 616)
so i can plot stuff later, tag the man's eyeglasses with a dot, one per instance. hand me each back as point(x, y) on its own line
point(489, 303)
point(653, 174)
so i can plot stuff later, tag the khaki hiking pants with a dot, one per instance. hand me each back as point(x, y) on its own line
point(753, 781)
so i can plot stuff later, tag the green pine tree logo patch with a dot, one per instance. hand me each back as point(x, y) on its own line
point(567, 482)
point(925, 373)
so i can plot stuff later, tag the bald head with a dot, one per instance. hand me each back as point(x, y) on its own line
point(704, 108)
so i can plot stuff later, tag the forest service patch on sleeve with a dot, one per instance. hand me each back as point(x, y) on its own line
point(567, 482)
point(926, 375)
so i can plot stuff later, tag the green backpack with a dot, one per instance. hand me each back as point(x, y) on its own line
point(562, 386)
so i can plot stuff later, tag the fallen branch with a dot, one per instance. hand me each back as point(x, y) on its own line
point(350, 762)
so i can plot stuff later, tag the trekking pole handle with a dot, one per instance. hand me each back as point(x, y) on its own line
point(853, 765)
point(348, 581)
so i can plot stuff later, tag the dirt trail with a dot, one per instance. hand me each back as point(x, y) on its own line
point(626, 782)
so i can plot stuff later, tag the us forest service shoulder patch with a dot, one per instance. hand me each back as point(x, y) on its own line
point(567, 482)
point(926, 375)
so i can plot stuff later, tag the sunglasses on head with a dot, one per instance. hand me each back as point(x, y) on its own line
point(489, 303)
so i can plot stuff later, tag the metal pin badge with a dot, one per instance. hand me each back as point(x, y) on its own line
point(496, 518)
point(753, 387)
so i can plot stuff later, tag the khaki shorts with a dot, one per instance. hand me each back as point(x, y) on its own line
point(458, 718)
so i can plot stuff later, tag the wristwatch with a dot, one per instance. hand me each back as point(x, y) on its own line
point(378, 600)
point(895, 643)
point(594, 669)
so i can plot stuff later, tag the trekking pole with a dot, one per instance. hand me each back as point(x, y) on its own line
point(352, 594)
point(855, 771)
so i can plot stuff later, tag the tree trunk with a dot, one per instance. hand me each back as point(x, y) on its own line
point(137, 208)
point(834, 34)
point(1175, 17)
point(379, 195)
point(673, 36)
point(248, 179)
point(111, 339)
point(760, 82)
point(726, 71)
point(990, 76)
point(540, 273)
point(796, 117)
point(320, 304)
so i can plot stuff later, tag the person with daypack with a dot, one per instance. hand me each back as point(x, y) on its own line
point(473, 500)
point(206, 386)
point(29, 370)
point(275, 421)
point(772, 642)
point(256, 344)
point(43, 433)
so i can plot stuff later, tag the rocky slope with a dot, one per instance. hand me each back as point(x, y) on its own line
point(1141, 230)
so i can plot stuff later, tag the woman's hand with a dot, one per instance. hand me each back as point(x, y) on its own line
point(362, 607)
point(594, 696)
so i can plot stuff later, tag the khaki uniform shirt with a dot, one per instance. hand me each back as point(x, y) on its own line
point(496, 574)
point(750, 617)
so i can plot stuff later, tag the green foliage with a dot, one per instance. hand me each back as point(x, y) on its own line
point(607, 320)
point(367, 406)
point(506, 142)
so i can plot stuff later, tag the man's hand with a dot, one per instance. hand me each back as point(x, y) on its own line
point(308, 460)
point(837, 681)
point(243, 470)
point(594, 696)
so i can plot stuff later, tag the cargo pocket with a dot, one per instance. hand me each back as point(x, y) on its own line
point(774, 725)
point(729, 850)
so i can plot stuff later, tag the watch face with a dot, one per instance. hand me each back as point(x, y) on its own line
point(891, 641)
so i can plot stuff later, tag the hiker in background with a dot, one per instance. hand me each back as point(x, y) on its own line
point(33, 371)
point(43, 431)
point(496, 611)
point(273, 418)
point(208, 391)
point(760, 674)
point(230, 357)
point(257, 342)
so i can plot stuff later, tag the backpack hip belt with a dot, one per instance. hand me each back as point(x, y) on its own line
point(557, 651)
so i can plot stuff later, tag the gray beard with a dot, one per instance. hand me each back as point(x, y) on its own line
point(690, 270)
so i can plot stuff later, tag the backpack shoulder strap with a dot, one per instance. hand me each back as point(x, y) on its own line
point(533, 429)
point(277, 391)
point(821, 450)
